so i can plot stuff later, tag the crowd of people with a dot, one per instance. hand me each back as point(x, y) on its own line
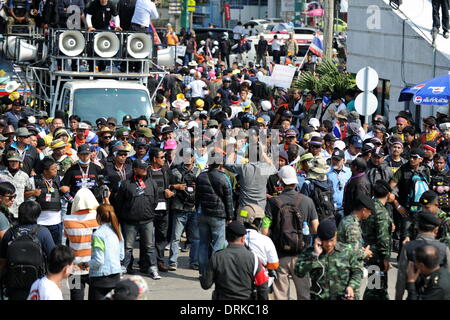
point(268, 184)
point(292, 175)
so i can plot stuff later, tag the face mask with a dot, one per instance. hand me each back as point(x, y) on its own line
point(213, 131)
point(152, 125)
point(82, 162)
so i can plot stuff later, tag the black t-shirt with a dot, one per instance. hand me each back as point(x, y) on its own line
point(101, 15)
point(74, 178)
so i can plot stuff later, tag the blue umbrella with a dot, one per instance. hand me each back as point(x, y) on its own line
point(408, 92)
point(433, 92)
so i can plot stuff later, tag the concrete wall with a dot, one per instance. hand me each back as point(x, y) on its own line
point(382, 50)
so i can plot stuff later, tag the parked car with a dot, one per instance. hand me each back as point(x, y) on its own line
point(217, 33)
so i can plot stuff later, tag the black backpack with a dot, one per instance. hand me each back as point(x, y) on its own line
point(287, 235)
point(25, 258)
point(323, 200)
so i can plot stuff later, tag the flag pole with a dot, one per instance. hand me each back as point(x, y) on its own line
point(303, 61)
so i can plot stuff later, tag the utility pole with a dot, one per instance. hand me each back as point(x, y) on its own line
point(328, 29)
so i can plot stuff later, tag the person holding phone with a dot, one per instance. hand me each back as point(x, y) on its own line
point(341, 265)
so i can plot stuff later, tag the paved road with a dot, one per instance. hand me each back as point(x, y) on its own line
point(183, 284)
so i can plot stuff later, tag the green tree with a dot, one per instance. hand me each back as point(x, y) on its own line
point(326, 78)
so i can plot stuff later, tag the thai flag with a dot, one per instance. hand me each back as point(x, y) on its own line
point(316, 46)
point(337, 131)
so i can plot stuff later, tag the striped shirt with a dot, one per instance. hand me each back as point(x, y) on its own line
point(78, 228)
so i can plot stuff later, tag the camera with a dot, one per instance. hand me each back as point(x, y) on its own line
point(103, 188)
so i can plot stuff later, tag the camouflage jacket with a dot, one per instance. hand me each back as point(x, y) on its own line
point(349, 232)
point(64, 165)
point(331, 273)
point(377, 232)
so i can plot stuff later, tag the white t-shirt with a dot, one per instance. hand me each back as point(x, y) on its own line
point(49, 218)
point(276, 45)
point(45, 289)
point(349, 157)
point(262, 246)
point(196, 88)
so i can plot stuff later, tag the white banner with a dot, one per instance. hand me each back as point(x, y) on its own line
point(282, 76)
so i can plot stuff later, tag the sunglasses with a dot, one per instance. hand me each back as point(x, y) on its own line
point(315, 146)
point(112, 124)
point(415, 157)
point(11, 197)
point(122, 154)
point(143, 126)
point(123, 138)
point(163, 157)
point(107, 137)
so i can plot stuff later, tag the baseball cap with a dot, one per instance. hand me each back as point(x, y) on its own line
point(170, 144)
point(417, 152)
point(378, 152)
point(236, 228)
point(427, 218)
point(212, 123)
point(127, 118)
point(288, 175)
point(250, 213)
point(237, 123)
point(13, 156)
point(366, 202)
point(84, 149)
point(112, 120)
point(140, 164)
point(428, 197)
point(356, 141)
point(327, 229)
point(57, 144)
point(329, 137)
point(100, 121)
point(3, 138)
point(317, 141)
point(23, 132)
point(166, 129)
point(338, 155)
point(83, 126)
point(290, 133)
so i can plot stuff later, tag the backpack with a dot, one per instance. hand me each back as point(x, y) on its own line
point(25, 258)
point(323, 200)
point(288, 235)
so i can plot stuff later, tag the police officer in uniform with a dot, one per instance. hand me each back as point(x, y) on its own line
point(428, 225)
point(427, 280)
point(233, 270)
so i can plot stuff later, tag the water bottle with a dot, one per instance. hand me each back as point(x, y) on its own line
point(305, 229)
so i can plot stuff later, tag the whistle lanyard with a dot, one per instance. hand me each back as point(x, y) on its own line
point(121, 172)
point(84, 174)
point(49, 185)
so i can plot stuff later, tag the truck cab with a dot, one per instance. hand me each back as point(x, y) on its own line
point(92, 99)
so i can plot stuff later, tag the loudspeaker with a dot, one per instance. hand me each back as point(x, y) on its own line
point(20, 52)
point(106, 44)
point(166, 57)
point(71, 43)
point(139, 45)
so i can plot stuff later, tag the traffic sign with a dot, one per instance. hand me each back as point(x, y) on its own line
point(367, 79)
point(366, 103)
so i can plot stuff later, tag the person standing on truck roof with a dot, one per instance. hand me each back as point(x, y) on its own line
point(144, 12)
point(126, 11)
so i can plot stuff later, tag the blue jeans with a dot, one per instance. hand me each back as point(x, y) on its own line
point(181, 221)
point(56, 232)
point(212, 239)
point(146, 244)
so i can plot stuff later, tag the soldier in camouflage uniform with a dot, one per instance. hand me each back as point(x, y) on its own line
point(63, 161)
point(335, 268)
point(349, 231)
point(377, 232)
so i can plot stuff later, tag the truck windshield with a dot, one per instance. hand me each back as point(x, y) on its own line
point(93, 103)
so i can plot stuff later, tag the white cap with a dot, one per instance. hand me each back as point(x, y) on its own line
point(192, 72)
point(192, 124)
point(266, 105)
point(288, 175)
point(202, 42)
point(339, 144)
point(315, 123)
point(179, 61)
point(12, 86)
point(83, 125)
point(216, 43)
point(32, 119)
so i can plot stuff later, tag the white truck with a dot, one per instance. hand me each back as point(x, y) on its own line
point(92, 99)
